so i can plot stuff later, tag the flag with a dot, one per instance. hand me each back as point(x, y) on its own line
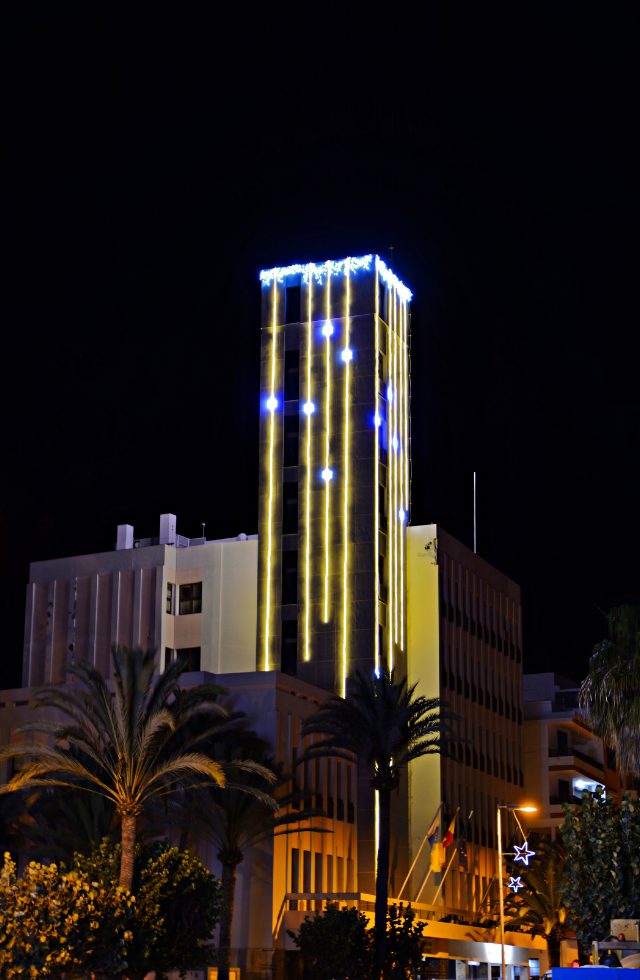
point(447, 840)
point(433, 833)
point(462, 853)
point(437, 857)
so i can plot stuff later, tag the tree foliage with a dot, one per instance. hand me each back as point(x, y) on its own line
point(602, 872)
point(404, 943)
point(177, 907)
point(130, 745)
point(610, 694)
point(54, 920)
point(337, 944)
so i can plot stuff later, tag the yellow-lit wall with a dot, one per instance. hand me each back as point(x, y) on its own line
point(423, 667)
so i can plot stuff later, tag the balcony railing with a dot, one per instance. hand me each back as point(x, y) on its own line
point(567, 753)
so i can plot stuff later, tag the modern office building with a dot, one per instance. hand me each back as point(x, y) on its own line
point(562, 756)
point(334, 469)
point(465, 647)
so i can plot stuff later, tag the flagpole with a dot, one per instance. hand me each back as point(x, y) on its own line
point(455, 850)
point(415, 860)
point(428, 875)
point(486, 894)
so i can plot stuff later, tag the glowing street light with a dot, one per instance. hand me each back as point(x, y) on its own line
point(508, 807)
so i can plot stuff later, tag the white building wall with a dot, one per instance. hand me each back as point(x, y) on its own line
point(79, 607)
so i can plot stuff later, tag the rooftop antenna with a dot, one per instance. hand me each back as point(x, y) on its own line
point(475, 529)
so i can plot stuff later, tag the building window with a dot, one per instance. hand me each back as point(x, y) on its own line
point(292, 305)
point(289, 577)
point(290, 507)
point(189, 657)
point(382, 300)
point(289, 644)
point(291, 438)
point(170, 601)
point(190, 598)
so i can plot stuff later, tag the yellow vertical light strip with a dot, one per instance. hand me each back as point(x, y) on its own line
point(327, 446)
point(376, 832)
point(272, 423)
point(402, 495)
point(345, 466)
point(396, 411)
point(392, 395)
point(407, 382)
point(405, 434)
point(376, 477)
point(308, 476)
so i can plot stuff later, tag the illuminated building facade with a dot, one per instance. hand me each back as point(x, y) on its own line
point(334, 469)
point(465, 647)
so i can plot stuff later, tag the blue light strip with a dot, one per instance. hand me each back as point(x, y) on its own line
point(320, 271)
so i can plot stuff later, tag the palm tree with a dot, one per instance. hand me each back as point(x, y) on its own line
point(610, 694)
point(384, 725)
point(253, 807)
point(139, 742)
point(538, 907)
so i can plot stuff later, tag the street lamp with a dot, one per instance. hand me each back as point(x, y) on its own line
point(500, 807)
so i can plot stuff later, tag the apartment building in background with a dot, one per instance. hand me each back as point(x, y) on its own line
point(562, 756)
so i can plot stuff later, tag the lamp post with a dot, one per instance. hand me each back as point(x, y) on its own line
point(500, 807)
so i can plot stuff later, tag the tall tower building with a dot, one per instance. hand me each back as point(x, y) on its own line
point(334, 469)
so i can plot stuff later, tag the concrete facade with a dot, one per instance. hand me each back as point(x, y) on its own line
point(465, 647)
point(142, 594)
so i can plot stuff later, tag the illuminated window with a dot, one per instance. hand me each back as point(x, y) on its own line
point(190, 598)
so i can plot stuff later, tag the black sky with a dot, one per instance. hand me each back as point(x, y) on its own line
point(154, 166)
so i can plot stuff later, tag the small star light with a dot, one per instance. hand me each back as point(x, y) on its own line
point(523, 853)
point(515, 883)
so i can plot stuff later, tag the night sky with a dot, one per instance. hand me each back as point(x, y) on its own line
point(156, 165)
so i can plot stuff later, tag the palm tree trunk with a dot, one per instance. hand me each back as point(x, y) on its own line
point(228, 883)
point(127, 857)
point(553, 948)
point(382, 882)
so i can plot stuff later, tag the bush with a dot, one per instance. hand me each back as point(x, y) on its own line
point(177, 905)
point(336, 944)
point(52, 919)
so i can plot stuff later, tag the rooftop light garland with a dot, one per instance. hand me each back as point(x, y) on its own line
point(320, 271)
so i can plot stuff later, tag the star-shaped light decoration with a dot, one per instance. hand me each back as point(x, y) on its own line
point(523, 853)
point(515, 883)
